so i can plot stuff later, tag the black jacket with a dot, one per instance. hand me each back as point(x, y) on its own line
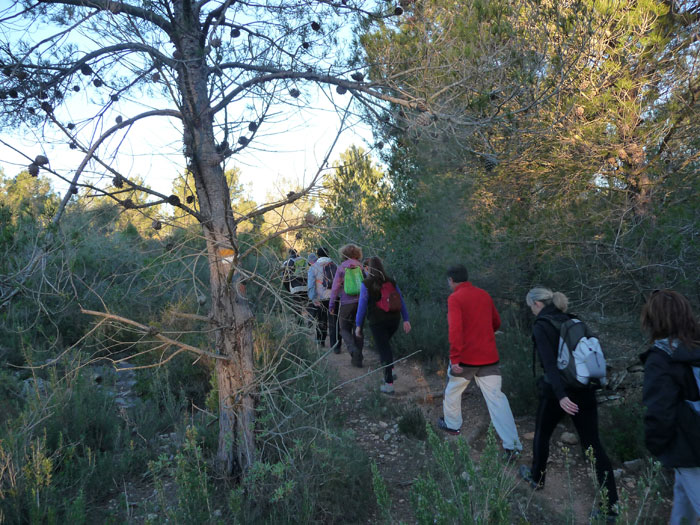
point(668, 382)
point(546, 340)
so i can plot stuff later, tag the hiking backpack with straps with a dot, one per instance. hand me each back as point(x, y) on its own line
point(329, 270)
point(327, 275)
point(352, 281)
point(580, 358)
point(390, 301)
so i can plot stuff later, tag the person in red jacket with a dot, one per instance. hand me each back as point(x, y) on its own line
point(473, 320)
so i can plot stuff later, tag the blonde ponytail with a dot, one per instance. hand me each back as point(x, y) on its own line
point(546, 296)
point(560, 301)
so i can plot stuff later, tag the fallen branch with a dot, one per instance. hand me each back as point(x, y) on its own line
point(149, 330)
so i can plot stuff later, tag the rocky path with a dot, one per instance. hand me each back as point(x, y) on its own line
point(374, 417)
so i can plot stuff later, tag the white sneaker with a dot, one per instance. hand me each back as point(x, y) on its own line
point(387, 388)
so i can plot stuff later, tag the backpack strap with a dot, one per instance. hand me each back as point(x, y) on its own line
point(557, 326)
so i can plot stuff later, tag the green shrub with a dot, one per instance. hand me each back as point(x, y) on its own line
point(193, 492)
point(428, 334)
point(381, 493)
point(458, 490)
point(622, 430)
point(412, 423)
point(10, 395)
point(515, 352)
point(68, 446)
point(308, 469)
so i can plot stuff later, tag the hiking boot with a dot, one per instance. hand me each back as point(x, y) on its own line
point(510, 455)
point(526, 474)
point(443, 426)
point(387, 388)
point(336, 348)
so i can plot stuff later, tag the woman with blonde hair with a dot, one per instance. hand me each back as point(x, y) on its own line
point(672, 398)
point(346, 285)
point(556, 400)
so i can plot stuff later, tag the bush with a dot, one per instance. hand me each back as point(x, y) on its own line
point(193, 498)
point(308, 469)
point(67, 447)
point(457, 490)
point(622, 430)
point(412, 423)
point(515, 351)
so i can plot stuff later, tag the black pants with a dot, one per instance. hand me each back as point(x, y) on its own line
point(382, 333)
point(346, 320)
point(326, 324)
point(549, 413)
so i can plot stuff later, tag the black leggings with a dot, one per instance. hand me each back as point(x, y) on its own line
point(382, 333)
point(549, 413)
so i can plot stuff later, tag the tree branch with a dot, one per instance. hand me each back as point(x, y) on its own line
point(116, 8)
point(152, 331)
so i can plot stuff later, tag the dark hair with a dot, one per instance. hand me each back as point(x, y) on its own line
point(376, 276)
point(458, 273)
point(293, 253)
point(668, 314)
point(322, 252)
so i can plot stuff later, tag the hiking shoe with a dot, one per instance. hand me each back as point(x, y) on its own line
point(510, 455)
point(336, 348)
point(443, 426)
point(387, 388)
point(526, 474)
point(356, 362)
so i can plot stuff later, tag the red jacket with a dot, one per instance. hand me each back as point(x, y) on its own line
point(472, 319)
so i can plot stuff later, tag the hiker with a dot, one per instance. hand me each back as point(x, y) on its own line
point(294, 277)
point(557, 400)
point(321, 277)
point(311, 308)
point(472, 321)
point(672, 398)
point(381, 301)
point(346, 286)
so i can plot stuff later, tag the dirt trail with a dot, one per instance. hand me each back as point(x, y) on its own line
point(566, 498)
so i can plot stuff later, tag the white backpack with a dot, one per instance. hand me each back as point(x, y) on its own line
point(580, 358)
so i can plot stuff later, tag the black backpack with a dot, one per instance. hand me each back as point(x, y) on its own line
point(329, 274)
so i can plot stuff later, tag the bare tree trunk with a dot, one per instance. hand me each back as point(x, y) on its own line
point(230, 311)
point(236, 378)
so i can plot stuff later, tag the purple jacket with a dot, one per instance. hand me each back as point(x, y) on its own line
point(339, 282)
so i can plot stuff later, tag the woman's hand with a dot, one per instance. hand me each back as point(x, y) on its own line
point(358, 331)
point(456, 369)
point(406, 327)
point(568, 406)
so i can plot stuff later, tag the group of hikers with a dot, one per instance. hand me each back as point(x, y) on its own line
point(342, 296)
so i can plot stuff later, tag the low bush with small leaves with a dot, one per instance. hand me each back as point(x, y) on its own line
point(412, 423)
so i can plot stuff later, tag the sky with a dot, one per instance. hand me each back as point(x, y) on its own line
point(292, 152)
point(290, 149)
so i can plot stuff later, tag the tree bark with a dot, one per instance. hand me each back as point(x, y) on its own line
point(230, 310)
